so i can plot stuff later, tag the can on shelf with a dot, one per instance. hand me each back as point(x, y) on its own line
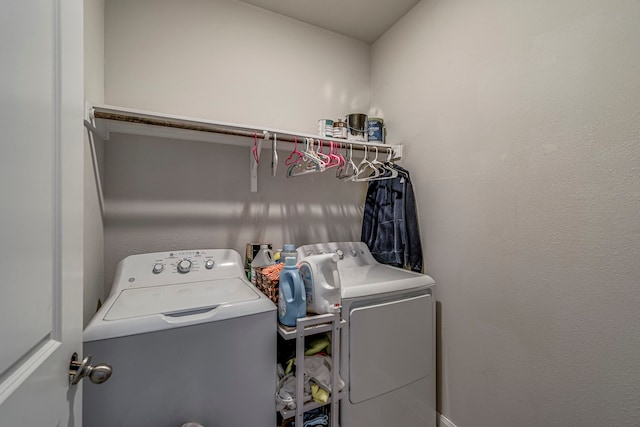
point(376, 130)
point(357, 127)
point(340, 129)
point(325, 128)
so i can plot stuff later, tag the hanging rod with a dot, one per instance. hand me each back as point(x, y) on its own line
point(113, 114)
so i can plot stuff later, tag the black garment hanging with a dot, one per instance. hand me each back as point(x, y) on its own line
point(390, 223)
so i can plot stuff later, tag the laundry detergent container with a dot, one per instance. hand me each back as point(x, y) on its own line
point(189, 339)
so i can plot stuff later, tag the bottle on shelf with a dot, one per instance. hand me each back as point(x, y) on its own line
point(292, 302)
point(263, 258)
point(288, 250)
point(321, 281)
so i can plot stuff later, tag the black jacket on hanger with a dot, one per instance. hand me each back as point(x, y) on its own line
point(390, 223)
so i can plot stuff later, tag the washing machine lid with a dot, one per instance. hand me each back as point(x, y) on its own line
point(379, 279)
point(141, 310)
point(176, 299)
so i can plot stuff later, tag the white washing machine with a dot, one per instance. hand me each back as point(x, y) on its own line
point(189, 340)
point(388, 343)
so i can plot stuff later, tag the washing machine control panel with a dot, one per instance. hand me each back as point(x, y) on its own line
point(183, 262)
point(168, 268)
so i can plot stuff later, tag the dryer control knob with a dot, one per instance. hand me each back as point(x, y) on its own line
point(354, 252)
point(184, 266)
point(209, 264)
point(340, 253)
point(158, 268)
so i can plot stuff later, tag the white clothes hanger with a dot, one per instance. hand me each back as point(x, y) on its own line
point(350, 169)
point(274, 155)
point(309, 163)
point(366, 169)
point(386, 169)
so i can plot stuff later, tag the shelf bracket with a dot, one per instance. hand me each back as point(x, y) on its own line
point(397, 152)
point(89, 123)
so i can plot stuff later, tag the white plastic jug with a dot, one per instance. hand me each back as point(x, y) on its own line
point(322, 283)
point(263, 258)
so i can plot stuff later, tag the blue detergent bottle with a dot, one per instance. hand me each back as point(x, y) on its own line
point(292, 302)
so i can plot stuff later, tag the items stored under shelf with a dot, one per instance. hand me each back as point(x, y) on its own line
point(307, 326)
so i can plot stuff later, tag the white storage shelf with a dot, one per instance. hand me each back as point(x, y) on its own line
point(306, 326)
point(289, 332)
point(107, 119)
point(103, 120)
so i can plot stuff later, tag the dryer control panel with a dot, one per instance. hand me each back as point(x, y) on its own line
point(351, 254)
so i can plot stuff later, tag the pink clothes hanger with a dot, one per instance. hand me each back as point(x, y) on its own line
point(324, 158)
point(297, 153)
point(254, 150)
point(333, 160)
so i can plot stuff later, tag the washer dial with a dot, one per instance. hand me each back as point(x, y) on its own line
point(184, 266)
point(158, 268)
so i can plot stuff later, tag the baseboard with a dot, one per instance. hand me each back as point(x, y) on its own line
point(444, 421)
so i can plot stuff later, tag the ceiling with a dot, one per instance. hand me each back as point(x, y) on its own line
point(364, 20)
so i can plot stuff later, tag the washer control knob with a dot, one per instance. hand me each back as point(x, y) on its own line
point(209, 264)
point(353, 252)
point(158, 268)
point(184, 266)
point(340, 253)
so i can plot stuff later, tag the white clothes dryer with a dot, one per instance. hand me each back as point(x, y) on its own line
point(387, 346)
point(189, 339)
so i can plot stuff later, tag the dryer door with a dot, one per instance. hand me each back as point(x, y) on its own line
point(391, 345)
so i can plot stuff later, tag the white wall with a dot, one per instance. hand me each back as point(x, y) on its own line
point(521, 123)
point(226, 61)
point(93, 92)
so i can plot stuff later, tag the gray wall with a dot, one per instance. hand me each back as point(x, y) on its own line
point(521, 123)
point(227, 61)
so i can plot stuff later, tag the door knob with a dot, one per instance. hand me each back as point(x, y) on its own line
point(96, 373)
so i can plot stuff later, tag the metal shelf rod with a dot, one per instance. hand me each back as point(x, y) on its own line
point(168, 121)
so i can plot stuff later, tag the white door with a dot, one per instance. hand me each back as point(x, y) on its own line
point(41, 143)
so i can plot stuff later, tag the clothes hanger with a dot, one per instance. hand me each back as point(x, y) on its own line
point(274, 155)
point(366, 169)
point(324, 158)
point(332, 160)
point(350, 169)
point(309, 163)
point(386, 172)
point(377, 163)
point(389, 165)
point(314, 161)
point(337, 146)
point(343, 165)
point(254, 150)
point(392, 166)
point(295, 155)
